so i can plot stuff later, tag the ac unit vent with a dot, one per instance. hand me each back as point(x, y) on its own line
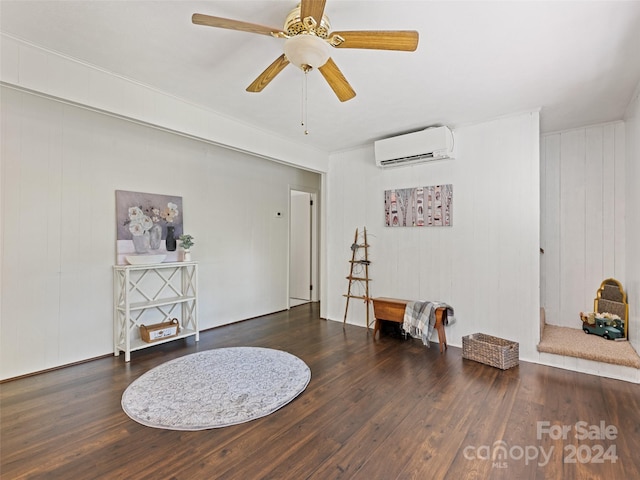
point(426, 145)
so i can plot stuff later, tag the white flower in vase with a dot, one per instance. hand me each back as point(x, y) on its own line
point(135, 213)
point(170, 212)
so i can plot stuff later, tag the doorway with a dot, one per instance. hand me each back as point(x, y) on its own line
point(302, 247)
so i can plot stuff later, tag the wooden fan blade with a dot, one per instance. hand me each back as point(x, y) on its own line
point(406, 40)
point(312, 8)
point(208, 20)
point(336, 81)
point(269, 74)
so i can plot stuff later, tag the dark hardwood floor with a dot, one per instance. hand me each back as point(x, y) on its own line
point(380, 409)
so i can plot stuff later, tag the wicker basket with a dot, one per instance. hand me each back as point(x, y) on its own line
point(493, 351)
point(159, 331)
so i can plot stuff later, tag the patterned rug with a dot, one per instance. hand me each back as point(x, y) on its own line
point(216, 388)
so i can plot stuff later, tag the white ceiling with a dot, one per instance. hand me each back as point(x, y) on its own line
point(579, 61)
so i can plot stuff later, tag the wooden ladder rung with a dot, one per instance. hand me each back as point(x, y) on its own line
point(355, 246)
point(356, 296)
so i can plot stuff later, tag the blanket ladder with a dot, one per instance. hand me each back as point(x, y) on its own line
point(359, 273)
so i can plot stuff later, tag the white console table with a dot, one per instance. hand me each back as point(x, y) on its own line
point(148, 294)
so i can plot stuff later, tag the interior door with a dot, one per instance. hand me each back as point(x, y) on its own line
point(300, 248)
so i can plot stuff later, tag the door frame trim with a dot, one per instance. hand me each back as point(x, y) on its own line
point(315, 243)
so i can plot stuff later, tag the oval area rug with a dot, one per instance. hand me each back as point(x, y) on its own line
point(215, 388)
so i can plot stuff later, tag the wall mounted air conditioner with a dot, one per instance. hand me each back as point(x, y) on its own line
point(435, 143)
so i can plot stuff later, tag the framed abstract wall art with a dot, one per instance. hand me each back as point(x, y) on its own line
point(419, 207)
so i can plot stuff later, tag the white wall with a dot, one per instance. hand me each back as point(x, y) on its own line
point(300, 246)
point(486, 265)
point(36, 69)
point(583, 218)
point(633, 217)
point(61, 165)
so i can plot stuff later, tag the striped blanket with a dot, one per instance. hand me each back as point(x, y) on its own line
point(420, 319)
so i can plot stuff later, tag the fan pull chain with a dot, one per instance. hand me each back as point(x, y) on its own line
point(304, 121)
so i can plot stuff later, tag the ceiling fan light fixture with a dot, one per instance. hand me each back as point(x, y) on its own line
point(306, 50)
point(308, 39)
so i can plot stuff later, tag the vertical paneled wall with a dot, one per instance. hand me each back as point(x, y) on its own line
point(61, 165)
point(486, 265)
point(632, 174)
point(583, 217)
point(39, 70)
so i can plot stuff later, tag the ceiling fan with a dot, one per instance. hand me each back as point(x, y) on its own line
point(308, 43)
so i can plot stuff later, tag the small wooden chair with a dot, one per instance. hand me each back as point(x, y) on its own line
point(612, 298)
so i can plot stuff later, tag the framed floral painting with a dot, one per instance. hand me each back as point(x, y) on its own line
point(147, 224)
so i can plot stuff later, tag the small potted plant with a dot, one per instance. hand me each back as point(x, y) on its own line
point(186, 242)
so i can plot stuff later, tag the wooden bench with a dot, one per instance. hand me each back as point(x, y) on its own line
point(392, 309)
